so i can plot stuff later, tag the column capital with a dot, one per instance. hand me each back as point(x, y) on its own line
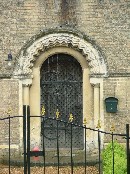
point(27, 82)
point(95, 82)
point(96, 85)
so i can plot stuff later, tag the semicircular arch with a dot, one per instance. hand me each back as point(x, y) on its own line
point(93, 57)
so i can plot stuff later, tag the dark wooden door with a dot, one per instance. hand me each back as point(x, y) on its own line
point(61, 88)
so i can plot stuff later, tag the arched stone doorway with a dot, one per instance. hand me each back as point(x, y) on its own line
point(61, 89)
point(94, 69)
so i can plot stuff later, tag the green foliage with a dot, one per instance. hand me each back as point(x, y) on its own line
point(119, 159)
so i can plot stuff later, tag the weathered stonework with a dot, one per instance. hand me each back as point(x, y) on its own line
point(97, 30)
point(119, 88)
point(25, 62)
point(9, 97)
point(106, 23)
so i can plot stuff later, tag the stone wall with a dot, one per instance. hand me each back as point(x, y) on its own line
point(118, 87)
point(9, 100)
point(9, 96)
point(104, 23)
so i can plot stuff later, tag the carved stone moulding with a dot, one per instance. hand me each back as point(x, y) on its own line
point(26, 61)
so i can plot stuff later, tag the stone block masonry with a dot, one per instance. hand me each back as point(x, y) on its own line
point(120, 88)
point(9, 99)
point(105, 22)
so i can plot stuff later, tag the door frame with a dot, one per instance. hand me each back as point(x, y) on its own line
point(88, 95)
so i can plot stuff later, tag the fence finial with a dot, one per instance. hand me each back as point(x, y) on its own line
point(71, 118)
point(112, 128)
point(57, 114)
point(85, 121)
point(99, 124)
point(9, 111)
point(43, 111)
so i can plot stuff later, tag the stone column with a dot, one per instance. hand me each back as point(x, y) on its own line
point(97, 84)
point(96, 103)
point(26, 95)
point(87, 95)
point(87, 106)
point(26, 91)
point(35, 126)
point(96, 111)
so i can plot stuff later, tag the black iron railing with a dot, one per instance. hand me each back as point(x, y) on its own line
point(27, 153)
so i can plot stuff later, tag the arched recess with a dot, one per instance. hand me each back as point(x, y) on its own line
point(91, 61)
point(27, 57)
point(35, 87)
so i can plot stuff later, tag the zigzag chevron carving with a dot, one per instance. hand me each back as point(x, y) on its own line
point(26, 63)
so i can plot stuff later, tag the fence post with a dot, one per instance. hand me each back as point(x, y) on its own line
point(28, 138)
point(24, 139)
point(43, 124)
point(127, 147)
point(85, 148)
point(9, 144)
point(99, 148)
point(113, 157)
point(71, 149)
point(58, 144)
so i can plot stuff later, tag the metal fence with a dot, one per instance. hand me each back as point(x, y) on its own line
point(59, 126)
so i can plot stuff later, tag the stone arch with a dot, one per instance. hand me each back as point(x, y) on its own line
point(28, 66)
point(34, 91)
point(25, 62)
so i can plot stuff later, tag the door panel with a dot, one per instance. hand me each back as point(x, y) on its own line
point(61, 88)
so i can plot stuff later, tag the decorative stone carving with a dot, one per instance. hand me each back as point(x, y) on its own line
point(26, 61)
point(26, 82)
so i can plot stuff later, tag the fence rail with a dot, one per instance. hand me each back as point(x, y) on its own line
point(27, 153)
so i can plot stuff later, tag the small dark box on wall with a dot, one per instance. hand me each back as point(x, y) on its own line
point(111, 104)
